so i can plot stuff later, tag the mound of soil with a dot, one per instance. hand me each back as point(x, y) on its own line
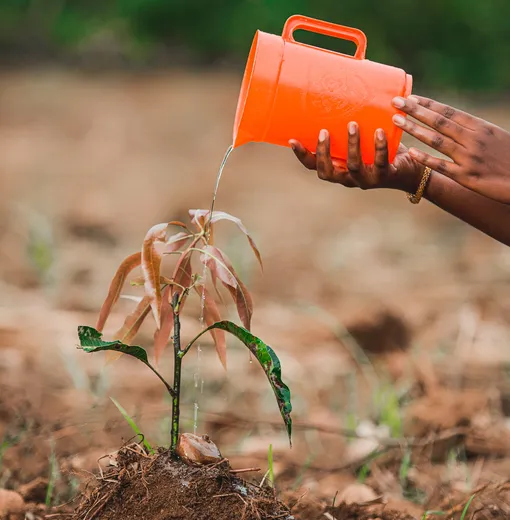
point(160, 488)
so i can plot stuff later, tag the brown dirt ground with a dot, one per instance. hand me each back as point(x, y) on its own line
point(89, 163)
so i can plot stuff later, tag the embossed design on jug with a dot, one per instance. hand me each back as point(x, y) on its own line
point(337, 92)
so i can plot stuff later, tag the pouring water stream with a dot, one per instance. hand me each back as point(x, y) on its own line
point(197, 376)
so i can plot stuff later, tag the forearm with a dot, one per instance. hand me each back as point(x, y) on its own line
point(487, 215)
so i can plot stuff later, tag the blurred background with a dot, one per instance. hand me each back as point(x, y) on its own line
point(457, 46)
point(114, 116)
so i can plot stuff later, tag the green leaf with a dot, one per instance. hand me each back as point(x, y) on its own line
point(270, 470)
point(269, 362)
point(91, 341)
point(464, 512)
point(132, 424)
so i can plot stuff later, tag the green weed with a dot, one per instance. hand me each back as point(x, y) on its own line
point(133, 425)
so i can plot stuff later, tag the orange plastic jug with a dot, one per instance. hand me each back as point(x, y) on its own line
point(292, 90)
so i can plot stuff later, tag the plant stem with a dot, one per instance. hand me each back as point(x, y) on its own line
point(174, 434)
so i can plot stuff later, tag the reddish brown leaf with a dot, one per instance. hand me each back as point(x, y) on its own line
point(183, 278)
point(151, 267)
point(162, 335)
point(177, 223)
point(131, 326)
point(213, 259)
point(200, 217)
point(140, 280)
point(221, 266)
point(133, 322)
point(175, 242)
point(130, 263)
point(212, 315)
point(244, 303)
point(216, 290)
point(221, 215)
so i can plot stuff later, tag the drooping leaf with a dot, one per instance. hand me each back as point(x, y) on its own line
point(128, 264)
point(151, 267)
point(221, 266)
point(244, 303)
point(212, 315)
point(213, 258)
point(162, 335)
point(221, 215)
point(269, 362)
point(202, 215)
point(130, 328)
point(134, 321)
point(91, 340)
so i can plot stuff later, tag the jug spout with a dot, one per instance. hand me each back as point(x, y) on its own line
point(241, 137)
point(258, 89)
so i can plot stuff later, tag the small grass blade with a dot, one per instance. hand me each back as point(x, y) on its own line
point(53, 477)
point(270, 477)
point(133, 425)
point(466, 507)
point(405, 466)
point(363, 473)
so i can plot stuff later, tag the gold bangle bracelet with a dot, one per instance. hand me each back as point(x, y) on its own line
point(415, 198)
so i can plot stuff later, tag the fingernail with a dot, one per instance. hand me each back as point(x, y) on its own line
point(352, 128)
point(379, 133)
point(323, 135)
point(414, 98)
point(399, 120)
point(414, 152)
point(399, 102)
point(292, 144)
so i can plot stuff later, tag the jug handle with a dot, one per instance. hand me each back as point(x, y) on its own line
point(297, 22)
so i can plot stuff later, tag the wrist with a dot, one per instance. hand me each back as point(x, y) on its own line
point(410, 181)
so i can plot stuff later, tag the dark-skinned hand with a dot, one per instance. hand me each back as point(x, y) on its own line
point(479, 151)
point(404, 174)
